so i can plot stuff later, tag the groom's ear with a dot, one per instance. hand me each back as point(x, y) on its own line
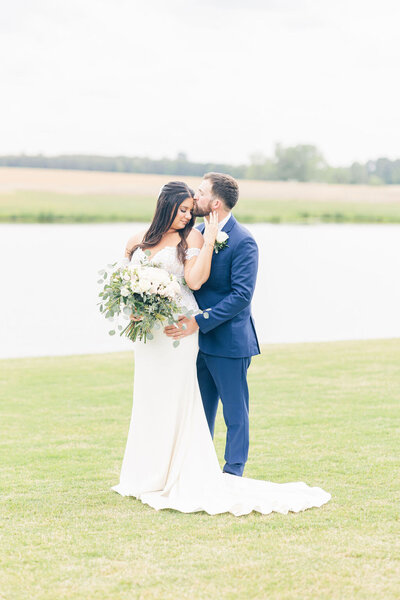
point(216, 203)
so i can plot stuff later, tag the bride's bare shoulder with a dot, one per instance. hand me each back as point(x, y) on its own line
point(133, 241)
point(195, 239)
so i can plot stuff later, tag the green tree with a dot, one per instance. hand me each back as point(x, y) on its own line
point(358, 173)
point(260, 167)
point(303, 162)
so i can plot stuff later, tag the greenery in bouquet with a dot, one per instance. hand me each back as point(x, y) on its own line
point(143, 290)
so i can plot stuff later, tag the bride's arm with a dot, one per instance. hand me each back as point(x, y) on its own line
point(197, 268)
point(131, 243)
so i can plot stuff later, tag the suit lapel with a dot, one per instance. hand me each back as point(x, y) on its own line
point(229, 225)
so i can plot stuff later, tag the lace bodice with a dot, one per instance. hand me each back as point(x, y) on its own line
point(167, 258)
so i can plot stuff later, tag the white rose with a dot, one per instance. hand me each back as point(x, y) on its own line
point(144, 284)
point(124, 291)
point(221, 237)
point(162, 277)
point(175, 288)
point(172, 290)
point(157, 274)
point(154, 288)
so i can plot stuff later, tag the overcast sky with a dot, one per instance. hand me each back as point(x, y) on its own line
point(217, 79)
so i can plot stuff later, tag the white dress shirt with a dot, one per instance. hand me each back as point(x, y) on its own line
point(222, 223)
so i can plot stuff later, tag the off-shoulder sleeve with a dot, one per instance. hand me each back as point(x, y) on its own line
point(191, 252)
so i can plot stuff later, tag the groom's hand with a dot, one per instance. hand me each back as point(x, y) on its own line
point(182, 328)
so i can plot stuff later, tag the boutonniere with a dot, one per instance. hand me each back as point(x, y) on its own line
point(221, 241)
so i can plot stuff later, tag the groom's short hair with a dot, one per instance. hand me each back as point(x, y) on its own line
point(224, 187)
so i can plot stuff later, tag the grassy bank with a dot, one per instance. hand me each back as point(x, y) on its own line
point(48, 196)
point(50, 207)
point(324, 413)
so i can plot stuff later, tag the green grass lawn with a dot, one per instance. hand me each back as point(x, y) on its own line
point(327, 414)
point(48, 207)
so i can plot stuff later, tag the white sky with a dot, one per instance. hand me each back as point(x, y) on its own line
point(218, 79)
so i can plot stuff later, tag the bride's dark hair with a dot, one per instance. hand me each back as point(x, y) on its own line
point(171, 197)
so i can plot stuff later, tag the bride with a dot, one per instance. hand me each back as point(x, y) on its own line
point(170, 460)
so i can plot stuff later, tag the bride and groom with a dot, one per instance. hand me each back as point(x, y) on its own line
point(170, 460)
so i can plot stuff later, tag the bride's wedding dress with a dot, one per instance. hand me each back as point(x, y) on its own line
point(170, 460)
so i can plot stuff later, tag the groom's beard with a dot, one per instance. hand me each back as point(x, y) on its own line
point(198, 212)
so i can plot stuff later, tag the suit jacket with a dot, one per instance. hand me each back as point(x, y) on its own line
point(229, 329)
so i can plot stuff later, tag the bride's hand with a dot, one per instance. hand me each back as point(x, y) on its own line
point(133, 318)
point(211, 228)
point(182, 328)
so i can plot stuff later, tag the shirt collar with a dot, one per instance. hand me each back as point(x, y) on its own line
point(222, 223)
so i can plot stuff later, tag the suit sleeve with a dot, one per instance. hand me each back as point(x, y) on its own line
point(243, 281)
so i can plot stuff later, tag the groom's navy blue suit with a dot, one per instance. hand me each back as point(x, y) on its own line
point(228, 340)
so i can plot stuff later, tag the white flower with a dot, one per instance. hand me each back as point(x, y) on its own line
point(126, 276)
point(159, 276)
point(144, 284)
point(173, 289)
point(222, 237)
point(124, 291)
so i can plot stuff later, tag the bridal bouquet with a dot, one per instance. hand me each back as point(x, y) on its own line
point(143, 290)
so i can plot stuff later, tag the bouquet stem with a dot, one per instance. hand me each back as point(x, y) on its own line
point(131, 331)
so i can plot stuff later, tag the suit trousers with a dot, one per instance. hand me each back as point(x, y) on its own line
point(226, 378)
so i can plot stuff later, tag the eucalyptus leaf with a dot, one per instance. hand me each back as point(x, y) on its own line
point(100, 281)
point(112, 332)
point(176, 343)
point(147, 252)
point(120, 327)
point(150, 336)
point(101, 272)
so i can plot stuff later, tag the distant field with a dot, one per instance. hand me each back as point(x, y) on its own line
point(44, 195)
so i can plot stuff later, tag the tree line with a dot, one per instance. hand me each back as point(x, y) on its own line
point(303, 162)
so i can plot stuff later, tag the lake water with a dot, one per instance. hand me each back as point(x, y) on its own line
point(316, 283)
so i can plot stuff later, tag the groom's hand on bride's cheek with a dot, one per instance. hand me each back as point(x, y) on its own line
point(181, 329)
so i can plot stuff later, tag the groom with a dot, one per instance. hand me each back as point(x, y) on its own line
point(227, 337)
